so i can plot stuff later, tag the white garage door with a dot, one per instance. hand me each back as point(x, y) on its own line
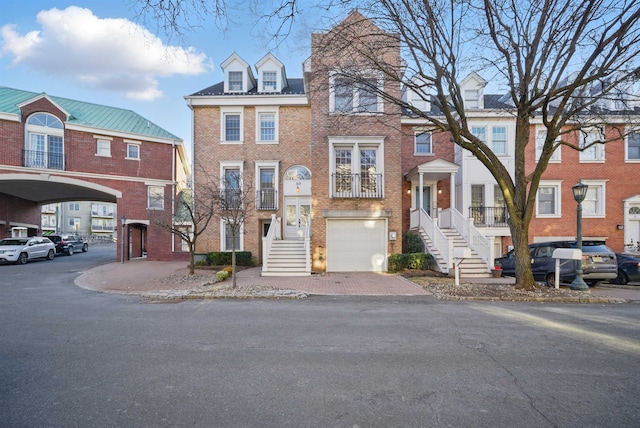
point(356, 245)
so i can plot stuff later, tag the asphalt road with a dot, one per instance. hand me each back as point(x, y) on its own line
point(70, 357)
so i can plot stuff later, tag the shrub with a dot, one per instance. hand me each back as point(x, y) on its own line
point(398, 262)
point(228, 269)
point(222, 275)
point(221, 258)
point(412, 243)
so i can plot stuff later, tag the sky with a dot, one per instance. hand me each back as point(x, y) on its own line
point(99, 51)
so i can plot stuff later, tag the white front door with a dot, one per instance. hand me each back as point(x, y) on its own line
point(297, 212)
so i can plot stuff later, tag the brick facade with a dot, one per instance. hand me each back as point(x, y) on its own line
point(159, 164)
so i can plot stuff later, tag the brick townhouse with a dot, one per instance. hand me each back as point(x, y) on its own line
point(55, 149)
point(340, 173)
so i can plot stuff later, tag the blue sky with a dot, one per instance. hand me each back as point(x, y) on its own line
point(97, 51)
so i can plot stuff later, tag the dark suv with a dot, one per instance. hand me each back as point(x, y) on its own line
point(599, 262)
point(68, 244)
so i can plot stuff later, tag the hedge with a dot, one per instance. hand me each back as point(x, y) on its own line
point(398, 262)
point(243, 258)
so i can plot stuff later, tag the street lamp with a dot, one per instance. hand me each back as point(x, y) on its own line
point(579, 193)
point(123, 220)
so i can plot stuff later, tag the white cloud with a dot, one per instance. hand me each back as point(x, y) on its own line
point(111, 54)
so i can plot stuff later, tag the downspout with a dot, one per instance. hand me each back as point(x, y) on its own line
point(173, 193)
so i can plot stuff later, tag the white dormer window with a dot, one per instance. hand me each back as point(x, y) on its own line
point(269, 81)
point(471, 97)
point(235, 81)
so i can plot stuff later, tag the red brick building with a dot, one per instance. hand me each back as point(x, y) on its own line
point(55, 149)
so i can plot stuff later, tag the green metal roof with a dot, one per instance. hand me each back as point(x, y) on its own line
point(88, 114)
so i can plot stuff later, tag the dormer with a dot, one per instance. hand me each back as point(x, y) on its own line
point(271, 74)
point(238, 76)
point(472, 91)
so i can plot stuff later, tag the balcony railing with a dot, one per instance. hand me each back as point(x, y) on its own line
point(101, 228)
point(489, 216)
point(267, 199)
point(105, 214)
point(39, 159)
point(364, 185)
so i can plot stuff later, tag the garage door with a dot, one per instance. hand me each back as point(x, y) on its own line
point(356, 245)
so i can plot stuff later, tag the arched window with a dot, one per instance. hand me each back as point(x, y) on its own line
point(297, 172)
point(44, 147)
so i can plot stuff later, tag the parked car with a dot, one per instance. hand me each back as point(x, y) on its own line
point(599, 262)
point(68, 244)
point(21, 250)
point(628, 268)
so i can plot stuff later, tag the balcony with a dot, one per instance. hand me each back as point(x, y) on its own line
point(39, 159)
point(365, 185)
point(101, 228)
point(267, 199)
point(489, 216)
point(102, 213)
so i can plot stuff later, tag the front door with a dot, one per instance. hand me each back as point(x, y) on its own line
point(297, 211)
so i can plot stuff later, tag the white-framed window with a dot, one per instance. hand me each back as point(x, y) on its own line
point(471, 99)
point(541, 135)
point(594, 204)
point(74, 206)
point(267, 184)
point(349, 95)
point(499, 140)
point(155, 197)
point(423, 143)
point(235, 81)
point(232, 128)
point(480, 132)
point(269, 81)
point(231, 175)
point(632, 146)
point(357, 167)
point(595, 153)
point(103, 147)
point(548, 200)
point(228, 239)
point(133, 150)
point(44, 147)
point(267, 125)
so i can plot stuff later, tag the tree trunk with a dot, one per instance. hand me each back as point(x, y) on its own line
point(524, 274)
point(192, 264)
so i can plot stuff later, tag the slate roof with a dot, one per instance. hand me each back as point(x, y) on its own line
point(295, 87)
point(88, 114)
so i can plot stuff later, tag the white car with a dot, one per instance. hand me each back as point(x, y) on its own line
point(21, 250)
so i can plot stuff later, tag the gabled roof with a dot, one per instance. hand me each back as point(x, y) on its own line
point(81, 113)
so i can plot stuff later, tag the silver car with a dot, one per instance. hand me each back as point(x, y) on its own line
point(21, 250)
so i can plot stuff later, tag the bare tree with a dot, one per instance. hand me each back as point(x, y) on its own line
point(191, 216)
point(234, 206)
point(560, 62)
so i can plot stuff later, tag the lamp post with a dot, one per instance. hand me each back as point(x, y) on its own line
point(579, 193)
point(123, 220)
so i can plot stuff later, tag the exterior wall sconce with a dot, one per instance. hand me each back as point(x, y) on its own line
point(408, 191)
point(620, 227)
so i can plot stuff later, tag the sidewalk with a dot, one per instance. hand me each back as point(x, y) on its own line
point(144, 277)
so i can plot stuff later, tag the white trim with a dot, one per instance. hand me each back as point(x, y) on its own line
point(557, 184)
point(601, 198)
point(252, 100)
point(231, 111)
point(275, 110)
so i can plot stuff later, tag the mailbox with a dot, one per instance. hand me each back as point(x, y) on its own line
point(567, 253)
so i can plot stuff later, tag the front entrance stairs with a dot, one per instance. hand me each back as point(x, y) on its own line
point(287, 258)
point(472, 267)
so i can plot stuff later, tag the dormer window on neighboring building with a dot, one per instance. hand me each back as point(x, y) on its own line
point(471, 99)
point(235, 81)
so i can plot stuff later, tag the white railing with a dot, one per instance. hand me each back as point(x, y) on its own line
point(267, 242)
point(421, 220)
point(475, 239)
point(307, 247)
